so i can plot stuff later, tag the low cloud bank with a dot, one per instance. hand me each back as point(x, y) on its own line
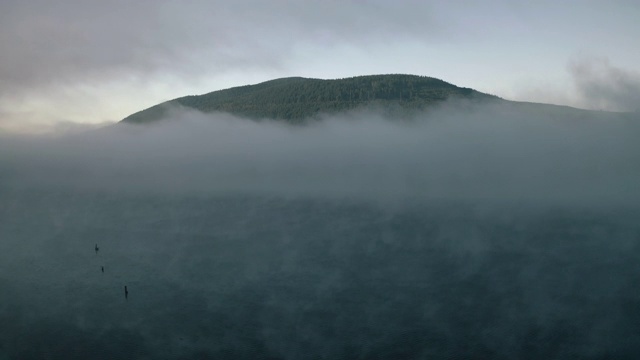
point(490, 152)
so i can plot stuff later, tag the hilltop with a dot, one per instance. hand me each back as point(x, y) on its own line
point(295, 99)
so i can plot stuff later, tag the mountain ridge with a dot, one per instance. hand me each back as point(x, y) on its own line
point(297, 99)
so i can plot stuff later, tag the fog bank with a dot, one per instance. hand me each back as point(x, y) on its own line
point(491, 152)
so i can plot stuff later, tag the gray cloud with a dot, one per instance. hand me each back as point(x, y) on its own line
point(603, 86)
point(78, 41)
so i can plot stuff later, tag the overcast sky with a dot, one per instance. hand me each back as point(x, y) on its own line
point(88, 61)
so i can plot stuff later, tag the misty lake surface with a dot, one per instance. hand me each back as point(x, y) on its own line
point(259, 277)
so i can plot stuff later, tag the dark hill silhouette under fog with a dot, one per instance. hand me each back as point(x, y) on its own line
point(295, 99)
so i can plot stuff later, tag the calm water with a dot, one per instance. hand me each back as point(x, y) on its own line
point(260, 277)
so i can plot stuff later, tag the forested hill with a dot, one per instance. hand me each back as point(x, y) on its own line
point(295, 99)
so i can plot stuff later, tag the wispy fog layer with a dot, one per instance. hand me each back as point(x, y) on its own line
point(471, 152)
point(603, 86)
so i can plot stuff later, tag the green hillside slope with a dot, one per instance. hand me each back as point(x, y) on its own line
point(295, 99)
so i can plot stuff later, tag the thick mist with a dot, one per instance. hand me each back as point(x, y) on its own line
point(468, 231)
point(492, 152)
